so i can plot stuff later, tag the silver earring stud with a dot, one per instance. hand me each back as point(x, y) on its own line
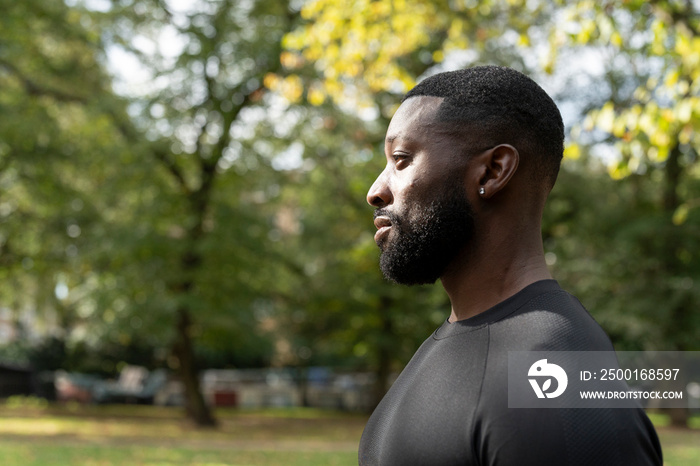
point(482, 191)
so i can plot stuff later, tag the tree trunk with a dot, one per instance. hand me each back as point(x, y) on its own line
point(384, 352)
point(303, 384)
point(679, 314)
point(679, 417)
point(195, 407)
point(672, 177)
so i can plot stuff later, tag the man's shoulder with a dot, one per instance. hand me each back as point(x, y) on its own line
point(552, 320)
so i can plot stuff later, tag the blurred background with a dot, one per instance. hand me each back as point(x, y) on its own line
point(183, 219)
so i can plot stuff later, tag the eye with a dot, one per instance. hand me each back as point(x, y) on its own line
point(401, 160)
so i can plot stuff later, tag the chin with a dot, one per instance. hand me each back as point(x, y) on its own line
point(410, 272)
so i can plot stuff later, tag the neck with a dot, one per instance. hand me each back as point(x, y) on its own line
point(490, 272)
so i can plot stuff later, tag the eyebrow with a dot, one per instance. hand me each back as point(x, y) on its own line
point(405, 137)
point(391, 139)
point(436, 127)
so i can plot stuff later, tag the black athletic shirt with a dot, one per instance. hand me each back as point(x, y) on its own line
point(449, 406)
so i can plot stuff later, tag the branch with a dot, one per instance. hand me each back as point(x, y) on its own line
point(677, 16)
point(172, 168)
point(35, 89)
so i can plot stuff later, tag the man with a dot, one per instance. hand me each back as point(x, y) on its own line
point(471, 158)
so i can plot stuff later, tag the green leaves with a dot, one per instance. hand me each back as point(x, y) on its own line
point(364, 48)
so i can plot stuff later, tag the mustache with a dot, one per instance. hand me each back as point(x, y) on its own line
point(382, 212)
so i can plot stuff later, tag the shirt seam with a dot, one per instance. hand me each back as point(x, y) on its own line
point(487, 324)
point(554, 292)
point(472, 442)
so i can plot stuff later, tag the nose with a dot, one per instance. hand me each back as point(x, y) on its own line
point(379, 194)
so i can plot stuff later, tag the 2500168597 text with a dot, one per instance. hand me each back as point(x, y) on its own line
point(634, 375)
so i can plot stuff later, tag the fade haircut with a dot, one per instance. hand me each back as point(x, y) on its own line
point(501, 106)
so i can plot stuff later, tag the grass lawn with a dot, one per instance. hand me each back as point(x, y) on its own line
point(32, 433)
point(147, 435)
point(681, 446)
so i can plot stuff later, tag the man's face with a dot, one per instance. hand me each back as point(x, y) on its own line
point(423, 216)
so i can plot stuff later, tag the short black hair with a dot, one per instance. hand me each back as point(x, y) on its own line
point(503, 106)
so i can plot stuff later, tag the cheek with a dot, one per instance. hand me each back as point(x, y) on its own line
point(416, 190)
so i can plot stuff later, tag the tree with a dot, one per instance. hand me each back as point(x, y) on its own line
point(650, 113)
point(380, 46)
point(207, 225)
point(57, 103)
point(148, 224)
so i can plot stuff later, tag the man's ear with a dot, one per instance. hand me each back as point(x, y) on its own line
point(496, 167)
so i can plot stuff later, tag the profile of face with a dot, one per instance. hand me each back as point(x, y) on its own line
point(423, 216)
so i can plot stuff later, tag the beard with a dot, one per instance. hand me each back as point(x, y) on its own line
point(426, 238)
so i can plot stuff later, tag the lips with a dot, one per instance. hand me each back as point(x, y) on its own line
point(383, 225)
